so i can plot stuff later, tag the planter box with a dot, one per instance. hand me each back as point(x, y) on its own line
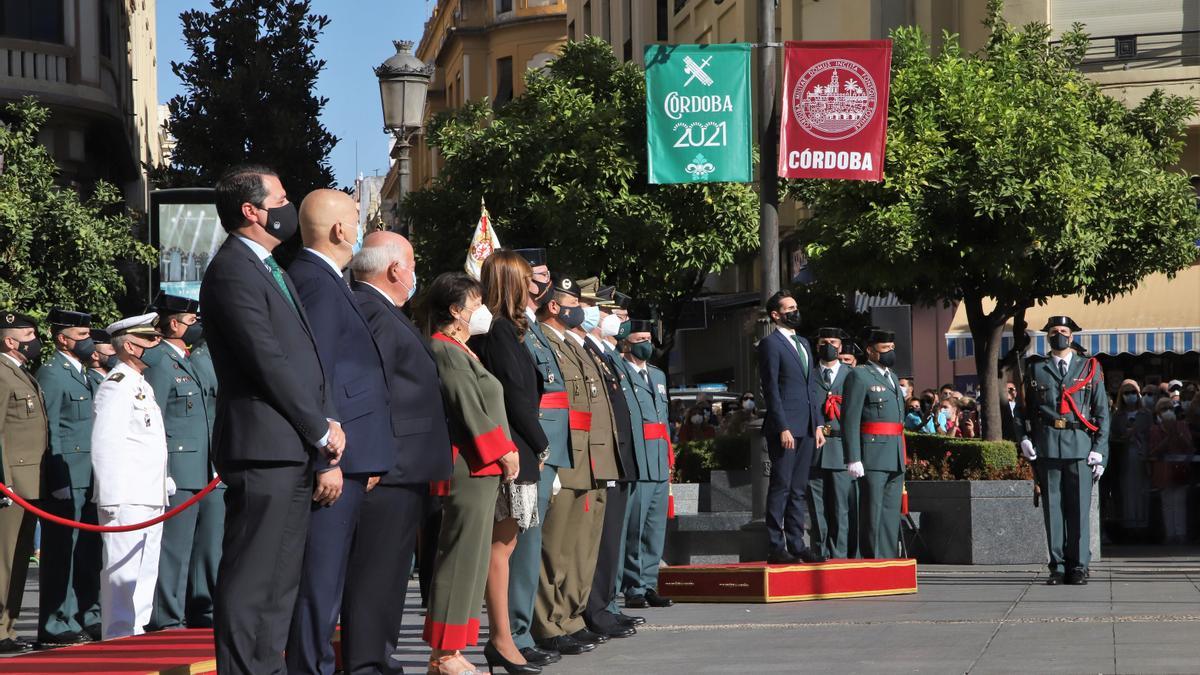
point(726, 491)
point(984, 522)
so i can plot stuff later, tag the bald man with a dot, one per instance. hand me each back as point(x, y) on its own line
point(332, 235)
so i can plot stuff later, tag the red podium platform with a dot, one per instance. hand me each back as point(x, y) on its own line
point(761, 582)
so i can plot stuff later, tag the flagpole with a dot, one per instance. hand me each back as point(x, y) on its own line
point(768, 147)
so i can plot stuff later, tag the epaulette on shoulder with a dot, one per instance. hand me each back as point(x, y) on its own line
point(116, 377)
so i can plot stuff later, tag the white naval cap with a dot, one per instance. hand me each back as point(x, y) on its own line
point(135, 325)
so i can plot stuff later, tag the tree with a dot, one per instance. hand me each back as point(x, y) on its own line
point(564, 166)
point(248, 96)
point(57, 250)
point(1010, 179)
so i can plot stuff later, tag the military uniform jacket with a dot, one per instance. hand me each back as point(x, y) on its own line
point(1044, 396)
point(555, 421)
point(474, 401)
point(188, 407)
point(833, 454)
point(592, 444)
point(23, 434)
point(616, 380)
point(129, 445)
point(653, 405)
point(68, 392)
point(870, 396)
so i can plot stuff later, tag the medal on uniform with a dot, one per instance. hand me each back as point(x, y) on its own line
point(550, 378)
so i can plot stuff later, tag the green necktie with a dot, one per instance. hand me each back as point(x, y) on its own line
point(277, 272)
point(803, 356)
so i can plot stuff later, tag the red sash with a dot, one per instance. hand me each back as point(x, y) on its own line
point(555, 401)
point(580, 421)
point(656, 431)
point(891, 429)
point(1067, 404)
point(833, 407)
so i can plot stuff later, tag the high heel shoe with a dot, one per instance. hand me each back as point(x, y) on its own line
point(496, 660)
point(444, 665)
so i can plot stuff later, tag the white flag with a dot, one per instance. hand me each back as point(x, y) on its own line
point(484, 243)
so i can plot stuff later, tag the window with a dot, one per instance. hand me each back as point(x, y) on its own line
point(660, 21)
point(628, 50)
point(106, 31)
point(571, 31)
point(606, 20)
point(504, 81)
point(503, 6)
point(587, 18)
point(40, 20)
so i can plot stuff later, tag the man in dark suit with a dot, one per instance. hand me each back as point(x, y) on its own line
point(792, 428)
point(373, 604)
point(274, 417)
point(331, 233)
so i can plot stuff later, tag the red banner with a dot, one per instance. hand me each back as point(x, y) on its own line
point(835, 108)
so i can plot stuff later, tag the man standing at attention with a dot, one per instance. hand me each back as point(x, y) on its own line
point(833, 493)
point(792, 428)
point(275, 416)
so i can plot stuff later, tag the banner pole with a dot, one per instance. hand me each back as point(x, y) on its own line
point(768, 147)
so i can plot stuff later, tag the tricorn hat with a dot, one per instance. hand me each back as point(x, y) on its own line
point(165, 304)
point(1061, 321)
point(827, 332)
point(67, 318)
point(533, 256)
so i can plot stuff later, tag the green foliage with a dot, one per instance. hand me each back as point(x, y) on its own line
point(248, 96)
point(57, 250)
point(1009, 175)
point(564, 166)
point(695, 459)
point(960, 457)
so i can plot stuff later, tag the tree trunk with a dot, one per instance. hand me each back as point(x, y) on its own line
point(986, 331)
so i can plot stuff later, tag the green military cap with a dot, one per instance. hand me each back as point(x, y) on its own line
point(10, 319)
point(66, 318)
point(589, 289)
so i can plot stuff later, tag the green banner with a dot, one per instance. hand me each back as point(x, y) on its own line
point(698, 113)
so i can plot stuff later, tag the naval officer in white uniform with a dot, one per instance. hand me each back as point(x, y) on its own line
point(131, 485)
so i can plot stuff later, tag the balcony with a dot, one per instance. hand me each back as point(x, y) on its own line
point(34, 61)
point(1142, 50)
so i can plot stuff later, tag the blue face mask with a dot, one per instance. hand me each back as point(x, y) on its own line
point(358, 244)
point(591, 319)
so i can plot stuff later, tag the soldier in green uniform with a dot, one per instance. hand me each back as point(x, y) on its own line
point(103, 359)
point(571, 530)
point(832, 493)
point(1067, 440)
point(646, 529)
point(69, 574)
point(188, 410)
point(525, 564)
point(873, 436)
point(210, 517)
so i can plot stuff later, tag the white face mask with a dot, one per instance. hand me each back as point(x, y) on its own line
point(748, 404)
point(1167, 416)
point(610, 326)
point(480, 322)
point(697, 419)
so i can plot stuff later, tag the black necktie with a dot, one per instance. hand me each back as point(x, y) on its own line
point(828, 376)
point(1062, 367)
point(646, 376)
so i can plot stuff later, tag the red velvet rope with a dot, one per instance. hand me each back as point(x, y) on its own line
point(23, 503)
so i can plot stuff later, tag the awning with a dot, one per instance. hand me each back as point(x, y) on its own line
point(1159, 316)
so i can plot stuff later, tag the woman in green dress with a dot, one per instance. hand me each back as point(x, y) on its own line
point(484, 455)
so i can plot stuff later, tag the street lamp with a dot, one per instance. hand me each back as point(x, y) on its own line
point(403, 85)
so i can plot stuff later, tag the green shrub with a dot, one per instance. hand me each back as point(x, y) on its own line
point(966, 457)
point(693, 461)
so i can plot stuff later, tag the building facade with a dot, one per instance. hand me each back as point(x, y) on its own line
point(479, 49)
point(1136, 47)
point(94, 64)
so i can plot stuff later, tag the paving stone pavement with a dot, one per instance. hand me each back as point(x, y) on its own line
point(1140, 613)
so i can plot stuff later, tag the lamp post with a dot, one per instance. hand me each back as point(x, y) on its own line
point(403, 86)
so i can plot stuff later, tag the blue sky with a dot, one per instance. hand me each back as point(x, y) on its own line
point(359, 36)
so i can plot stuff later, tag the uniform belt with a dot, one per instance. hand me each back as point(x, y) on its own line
point(656, 431)
point(555, 401)
point(1064, 423)
point(882, 428)
point(580, 421)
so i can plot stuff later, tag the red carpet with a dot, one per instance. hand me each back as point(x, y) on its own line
point(760, 582)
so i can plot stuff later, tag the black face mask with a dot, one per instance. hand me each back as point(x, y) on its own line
point(283, 221)
point(792, 319)
point(572, 317)
point(1059, 342)
point(542, 287)
point(887, 359)
point(193, 334)
point(111, 362)
point(30, 349)
point(84, 349)
point(828, 352)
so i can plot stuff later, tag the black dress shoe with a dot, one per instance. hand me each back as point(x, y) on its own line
point(93, 633)
point(657, 600)
point(540, 657)
point(626, 620)
point(565, 645)
point(1054, 579)
point(635, 602)
point(588, 637)
point(496, 660)
point(810, 556)
point(14, 646)
point(1077, 577)
point(61, 640)
point(618, 630)
point(781, 558)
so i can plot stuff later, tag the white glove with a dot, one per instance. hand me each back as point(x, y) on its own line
point(1095, 458)
point(61, 493)
point(170, 486)
point(557, 486)
point(1097, 471)
point(1027, 450)
point(856, 470)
